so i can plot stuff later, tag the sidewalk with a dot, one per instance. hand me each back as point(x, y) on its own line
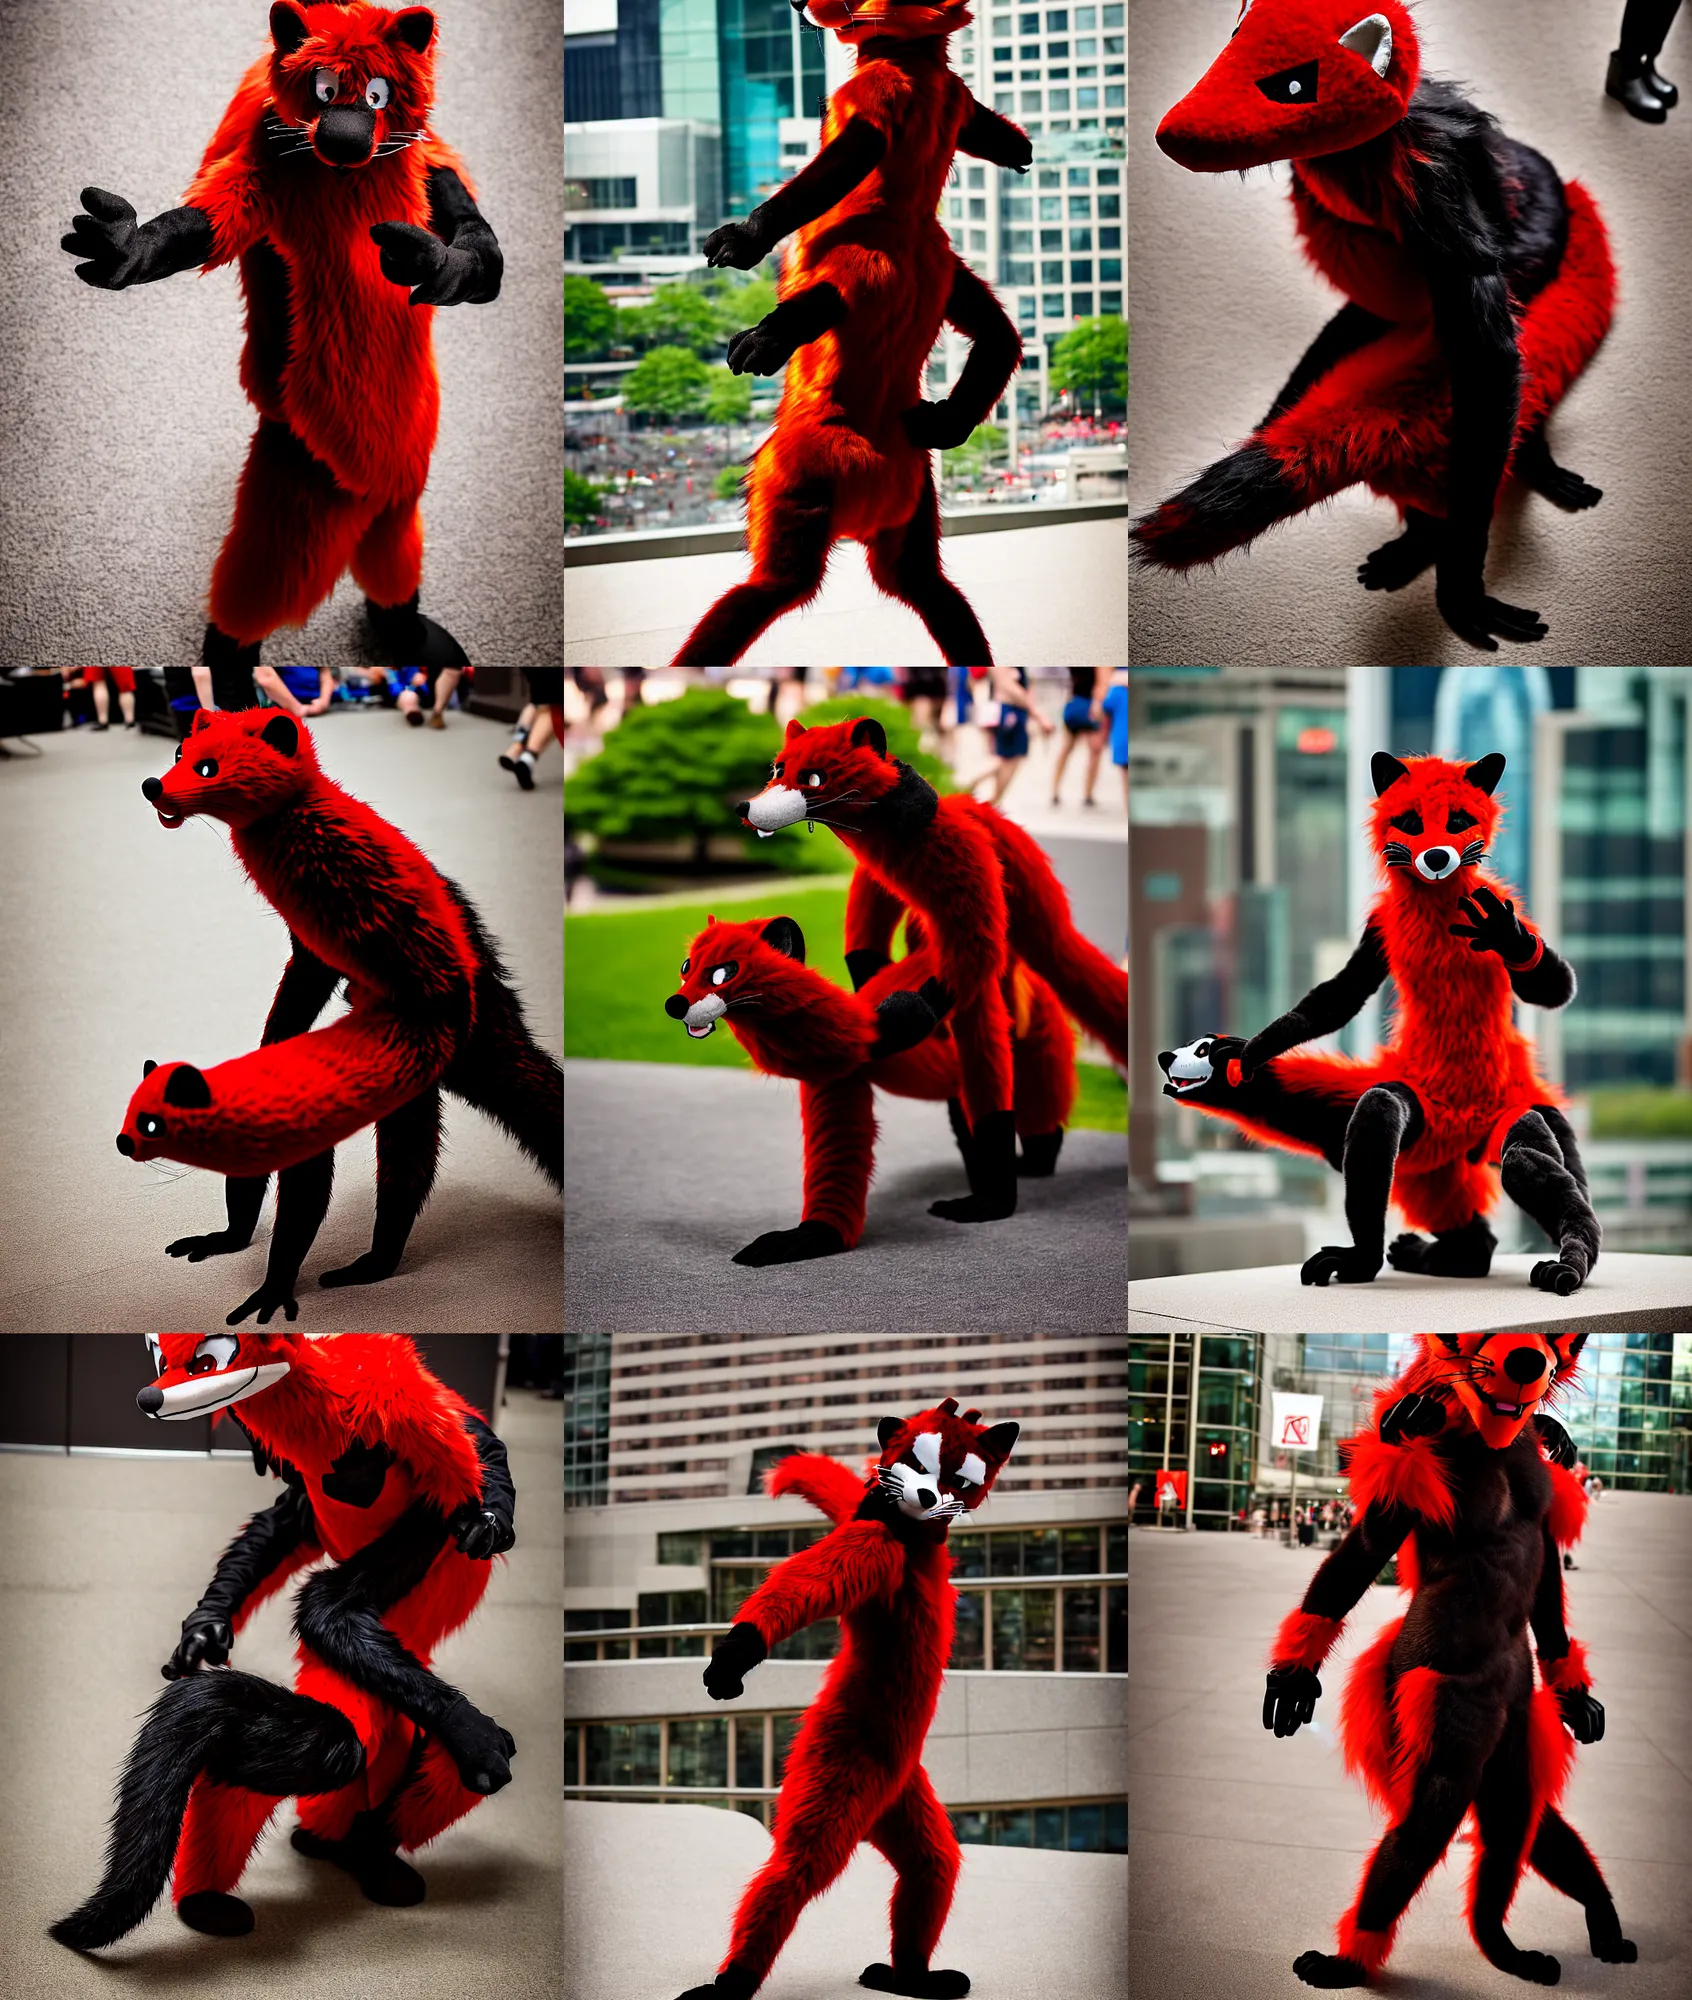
point(1248, 1847)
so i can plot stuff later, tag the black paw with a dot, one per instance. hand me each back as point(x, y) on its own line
point(1475, 617)
point(1537, 1967)
point(975, 1208)
point(1320, 1968)
point(366, 1270)
point(923, 1985)
point(478, 1746)
point(1342, 1263)
point(1395, 563)
point(1582, 1716)
point(792, 1246)
point(1290, 1695)
point(758, 350)
point(197, 1248)
point(1554, 1276)
point(266, 1302)
point(1559, 1446)
point(936, 426)
point(414, 257)
point(1413, 1417)
point(1567, 490)
point(215, 1915)
point(736, 245)
point(109, 238)
point(736, 1653)
point(1040, 1154)
point(1407, 1253)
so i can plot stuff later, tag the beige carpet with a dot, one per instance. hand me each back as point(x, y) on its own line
point(1224, 305)
point(102, 1559)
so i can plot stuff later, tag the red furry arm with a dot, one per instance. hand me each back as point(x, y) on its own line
point(872, 916)
point(845, 1569)
point(1567, 1519)
point(839, 1121)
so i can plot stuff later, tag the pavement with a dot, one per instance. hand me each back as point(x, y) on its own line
point(650, 1891)
point(1248, 1847)
point(122, 418)
point(126, 943)
point(668, 1171)
point(103, 1556)
point(1046, 596)
point(1628, 1291)
point(1224, 304)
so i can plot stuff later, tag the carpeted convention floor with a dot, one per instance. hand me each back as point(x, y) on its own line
point(121, 942)
point(103, 1556)
point(1224, 305)
point(122, 421)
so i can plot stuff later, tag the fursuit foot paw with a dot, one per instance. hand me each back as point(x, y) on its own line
point(215, 1915)
point(381, 1874)
point(730, 1984)
point(1603, 1930)
point(197, 1248)
point(1342, 1263)
point(1321, 1968)
point(1539, 1968)
point(1409, 1253)
point(267, 1301)
point(366, 1270)
point(792, 1246)
point(924, 1985)
point(477, 1745)
point(1396, 563)
point(1552, 1275)
point(1039, 1155)
point(1459, 1253)
point(1566, 489)
point(974, 1208)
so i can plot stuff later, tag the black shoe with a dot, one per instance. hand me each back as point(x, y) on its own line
point(1629, 85)
point(214, 1915)
point(217, 649)
point(411, 640)
point(1660, 84)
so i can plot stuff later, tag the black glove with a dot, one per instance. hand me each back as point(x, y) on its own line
point(937, 426)
point(442, 274)
point(207, 1640)
point(1496, 926)
point(357, 1477)
point(733, 1657)
point(1412, 1417)
point(1583, 1715)
point(1289, 1698)
point(120, 252)
point(477, 1745)
point(902, 1019)
point(737, 244)
point(482, 1532)
point(1559, 1446)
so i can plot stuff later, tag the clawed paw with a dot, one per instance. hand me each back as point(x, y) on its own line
point(1321, 1968)
point(1569, 491)
point(197, 1248)
point(266, 1302)
point(1554, 1276)
point(1406, 1253)
point(366, 1270)
point(1395, 563)
point(1343, 1264)
point(1539, 1967)
point(1623, 1951)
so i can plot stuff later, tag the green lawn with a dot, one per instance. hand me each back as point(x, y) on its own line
point(621, 965)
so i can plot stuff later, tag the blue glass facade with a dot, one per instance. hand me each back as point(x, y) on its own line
point(756, 67)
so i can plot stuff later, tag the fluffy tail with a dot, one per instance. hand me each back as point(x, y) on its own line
point(1229, 504)
point(238, 1730)
point(1043, 933)
point(832, 1488)
point(1565, 324)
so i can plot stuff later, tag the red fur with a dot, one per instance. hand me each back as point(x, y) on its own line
point(1366, 1721)
point(1568, 1506)
point(1571, 1671)
point(854, 1772)
point(829, 1486)
point(357, 389)
point(1304, 1640)
point(1366, 1948)
point(1411, 1475)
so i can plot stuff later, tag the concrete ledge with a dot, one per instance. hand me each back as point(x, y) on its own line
point(1627, 1293)
point(581, 550)
point(1180, 1246)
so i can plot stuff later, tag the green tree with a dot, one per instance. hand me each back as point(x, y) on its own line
point(740, 301)
point(728, 398)
point(589, 320)
point(667, 382)
point(966, 460)
point(726, 485)
point(679, 316)
point(584, 502)
point(1091, 363)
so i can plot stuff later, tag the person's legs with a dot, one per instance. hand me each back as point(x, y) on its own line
point(1633, 79)
point(445, 682)
point(1069, 742)
point(1095, 755)
point(102, 700)
point(1006, 774)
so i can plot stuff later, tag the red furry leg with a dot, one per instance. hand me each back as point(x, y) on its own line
point(839, 1121)
point(905, 563)
point(916, 1836)
point(330, 1814)
point(433, 1799)
point(816, 1831)
point(387, 564)
point(789, 539)
point(1043, 933)
point(218, 1837)
point(981, 1029)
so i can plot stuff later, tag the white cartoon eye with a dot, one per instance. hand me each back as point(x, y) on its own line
point(811, 779)
point(926, 1451)
point(376, 93)
point(720, 975)
point(973, 1470)
point(325, 86)
point(218, 1348)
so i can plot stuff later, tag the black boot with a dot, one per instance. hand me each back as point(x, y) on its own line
point(1660, 83)
point(217, 649)
point(1628, 82)
point(991, 1166)
point(409, 639)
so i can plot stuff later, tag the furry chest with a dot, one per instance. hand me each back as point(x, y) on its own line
point(1361, 257)
point(344, 1530)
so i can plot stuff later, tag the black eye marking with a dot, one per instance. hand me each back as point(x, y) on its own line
point(1410, 822)
point(720, 975)
point(686, 962)
point(206, 768)
point(1460, 821)
point(150, 1127)
point(1290, 86)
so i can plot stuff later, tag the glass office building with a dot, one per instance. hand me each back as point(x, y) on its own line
point(1212, 1432)
point(768, 69)
point(587, 1419)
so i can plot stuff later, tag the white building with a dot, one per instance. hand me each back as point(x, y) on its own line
point(639, 185)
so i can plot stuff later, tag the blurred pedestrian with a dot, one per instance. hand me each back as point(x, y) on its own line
point(301, 691)
point(924, 693)
point(1633, 79)
point(1082, 723)
point(123, 679)
point(790, 694)
point(590, 684)
point(1306, 1528)
point(1114, 710)
point(545, 703)
point(1010, 734)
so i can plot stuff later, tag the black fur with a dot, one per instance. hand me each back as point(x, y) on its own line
point(120, 252)
point(1454, 1253)
point(1386, 1119)
point(919, 1982)
point(302, 1201)
point(995, 350)
point(799, 319)
point(990, 1167)
point(1326, 1006)
point(462, 227)
point(1542, 1172)
point(258, 1551)
point(1349, 329)
point(905, 811)
point(792, 1246)
point(237, 1730)
point(903, 1019)
point(1229, 503)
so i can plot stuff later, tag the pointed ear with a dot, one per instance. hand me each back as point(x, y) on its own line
point(415, 26)
point(1568, 1346)
point(888, 1429)
point(147, 1068)
point(794, 728)
point(709, 918)
point(996, 1444)
point(972, 1416)
point(202, 720)
point(1386, 771)
point(287, 27)
point(949, 1408)
point(1449, 1341)
point(187, 1089)
point(786, 936)
point(867, 730)
point(282, 733)
point(1484, 776)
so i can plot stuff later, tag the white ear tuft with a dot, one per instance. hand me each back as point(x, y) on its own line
point(1372, 40)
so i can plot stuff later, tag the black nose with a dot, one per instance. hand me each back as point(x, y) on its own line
point(344, 133)
point(1437, 857)
point(1524, 1364)
point(676, 1006)
point(1165, 1058)
point(743, 808)
point(152, 790)
point(927, 1499)
point(126, 1145)
point(149, 1402)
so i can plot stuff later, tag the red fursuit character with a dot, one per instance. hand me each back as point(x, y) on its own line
point(842, 1047)
point(1479, 285)
point(1453, 1097)
point(984, 892)
point(399, 1483)
point(1463, 1475)
point(855, 1772)
point(868, 280)
point(351, 222)
point(432, 1009)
